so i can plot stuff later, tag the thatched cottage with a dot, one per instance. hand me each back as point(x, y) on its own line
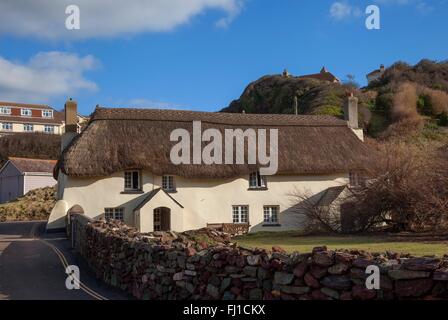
point(119, 167)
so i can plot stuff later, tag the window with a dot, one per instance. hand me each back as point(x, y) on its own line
point(26, 112)
point(114, 213)
point(257, 181)
point(270, 214)
point(157, 220)
point(47, 113)
point(28, 128)
point(168, 183)
point(49, 129)
point(132, 180)
point(5, 110)
point(356, 180)
point(240, 214)
point(7, 126)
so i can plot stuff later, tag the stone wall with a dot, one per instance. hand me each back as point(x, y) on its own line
point(206, 265)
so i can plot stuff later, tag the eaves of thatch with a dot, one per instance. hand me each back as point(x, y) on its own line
point(119, 139)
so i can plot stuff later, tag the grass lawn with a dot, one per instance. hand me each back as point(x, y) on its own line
point(294, 241)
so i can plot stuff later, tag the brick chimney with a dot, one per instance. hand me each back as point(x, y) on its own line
point(351, 115)
point(71, 122)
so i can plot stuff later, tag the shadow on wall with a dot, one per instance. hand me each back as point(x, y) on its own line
point(291, 219)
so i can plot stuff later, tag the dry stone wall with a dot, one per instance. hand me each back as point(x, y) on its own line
point(206, 265)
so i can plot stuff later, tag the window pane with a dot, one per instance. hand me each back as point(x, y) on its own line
point(256, 180)
point(236, 218)
point(244, 214)
point(135, 180)
point(127, 180)
point(240, 214)
point(270, 214)
point(168, 182)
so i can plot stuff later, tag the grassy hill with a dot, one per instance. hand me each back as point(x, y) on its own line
point(407, 100)
point(275, 94)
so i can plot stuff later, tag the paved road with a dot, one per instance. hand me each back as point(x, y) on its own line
point(32, 266)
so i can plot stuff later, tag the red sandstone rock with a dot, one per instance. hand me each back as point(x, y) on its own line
point(362, 293)
point(278, 249)
point(413, 288)
point(300, 270)
point(311, 281)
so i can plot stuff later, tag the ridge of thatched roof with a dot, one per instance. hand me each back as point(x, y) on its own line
point(120, 139)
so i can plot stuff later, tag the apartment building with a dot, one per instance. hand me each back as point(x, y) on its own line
point(23, 117)
point(20, 117)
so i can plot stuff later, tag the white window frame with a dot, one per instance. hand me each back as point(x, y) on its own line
point(49, 129)
point(114, 214)
point(168, 183)
point(129, 180)
point(240, 214)
point(7, 126)
point(28, 125)
point(5, 110)
point(271, 215)
point(257, 181)
point(26, 112)
point(47, 113)
point(354, 180)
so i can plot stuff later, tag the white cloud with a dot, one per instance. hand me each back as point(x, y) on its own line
point(343, 10)
point(106, 18)
point(45, 76)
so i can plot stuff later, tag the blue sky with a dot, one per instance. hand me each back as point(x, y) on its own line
point(200, 54)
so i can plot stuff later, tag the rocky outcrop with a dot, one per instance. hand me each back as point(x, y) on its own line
point(205, 264)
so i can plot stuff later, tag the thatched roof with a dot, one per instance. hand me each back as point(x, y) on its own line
point(120, 139)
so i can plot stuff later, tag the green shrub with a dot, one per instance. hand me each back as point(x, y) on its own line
point(378, 123)
point(443, 119)
point(330, 110)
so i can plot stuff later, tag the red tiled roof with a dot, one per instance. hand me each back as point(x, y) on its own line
point(57, 119)
point(33, 165)
point(24, 105)
point(323, 75)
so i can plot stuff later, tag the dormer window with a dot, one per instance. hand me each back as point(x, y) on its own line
point(168, 183)
point(47, 113)
point(132, 180)
point(257, 181)
point(5, 110)
point(26, 112)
